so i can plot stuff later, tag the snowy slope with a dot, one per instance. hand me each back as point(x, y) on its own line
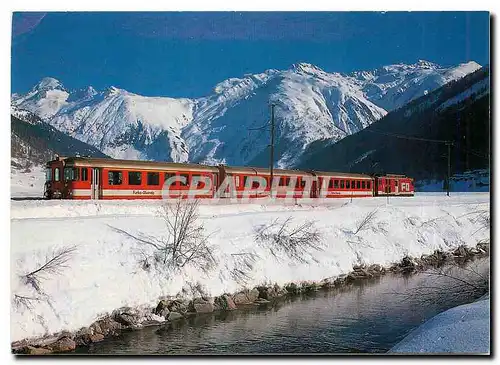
point(27, 183)
point(391, 87)
point(461, 330)
point(476, 91)
point(105, 272)
point(311, 105)
point(126, 125)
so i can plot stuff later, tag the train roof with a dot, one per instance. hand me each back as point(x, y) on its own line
point(263, 171)
point(150, 165)
point(342, 174)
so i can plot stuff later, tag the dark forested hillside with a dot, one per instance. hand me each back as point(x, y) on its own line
point(34, 141)
point(458, 111)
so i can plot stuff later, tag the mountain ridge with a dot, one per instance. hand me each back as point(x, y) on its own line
point(311, 105)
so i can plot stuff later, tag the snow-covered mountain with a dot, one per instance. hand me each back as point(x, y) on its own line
point(458, 111)
point(391, 87)
point(223, 127)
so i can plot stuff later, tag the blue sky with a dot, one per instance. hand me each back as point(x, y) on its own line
point(182, 54)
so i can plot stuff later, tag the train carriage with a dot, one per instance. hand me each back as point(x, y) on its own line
point(343, 185)
point(101, 178)
point(249, 182)
point(104, 178)
point(392, 184)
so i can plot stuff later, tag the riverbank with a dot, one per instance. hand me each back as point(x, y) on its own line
point(172, 310)
point(460, 330)
point(105, 275)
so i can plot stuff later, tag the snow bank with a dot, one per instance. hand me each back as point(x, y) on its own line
point(461, 330)
point(105, 272)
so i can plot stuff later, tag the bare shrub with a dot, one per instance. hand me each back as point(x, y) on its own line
point(243, 266)
point(283, 238)
point(185, 243)
point(53, 265)
point(26, 302)
point(365, 222)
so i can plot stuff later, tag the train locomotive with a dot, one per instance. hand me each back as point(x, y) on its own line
point(105, 178)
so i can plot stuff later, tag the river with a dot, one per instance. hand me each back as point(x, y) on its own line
point(369, 317)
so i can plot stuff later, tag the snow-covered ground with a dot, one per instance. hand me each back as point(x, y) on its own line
point(105, 272)
point(25, 184)
point(461, 330)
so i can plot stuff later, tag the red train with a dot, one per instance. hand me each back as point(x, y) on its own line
point(102, 178)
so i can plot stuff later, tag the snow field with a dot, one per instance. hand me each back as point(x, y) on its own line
point(105, 272)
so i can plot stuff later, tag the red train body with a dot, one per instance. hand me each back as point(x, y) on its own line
point(98, 178)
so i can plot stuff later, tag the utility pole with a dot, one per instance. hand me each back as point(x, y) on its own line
point(271, 154)
point(449, 144)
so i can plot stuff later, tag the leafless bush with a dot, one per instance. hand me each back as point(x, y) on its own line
point(282, 238)
point(26, 302)
point(365, 222)
point(185, 243)
point(243, 266)
point(53, 265)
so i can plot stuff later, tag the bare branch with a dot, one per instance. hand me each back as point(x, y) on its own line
point(24, 301)
point(365, 222)
point(280, 238)
point(53, 265)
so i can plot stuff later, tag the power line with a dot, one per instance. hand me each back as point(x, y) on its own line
point(446, 142)
point(476, 153)
point(401, 136)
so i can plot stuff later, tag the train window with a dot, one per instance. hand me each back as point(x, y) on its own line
point(336, 184)
point(85, 174)
point(368, 184)
point(330, 184)
point(169, 175)
point(348, 184)
point(153, 178)
point(134, 178)
point(48, 174)
point(358, 184)
point(302, 183)
point(184, 181)
point(71, 174)
point(245, 179)
point(282, 181)
point(341, 184)
point(396, 182)
point(115, 177)
point(56, 174)
point(363, 185)
point(353, 184)
point(200, 182)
